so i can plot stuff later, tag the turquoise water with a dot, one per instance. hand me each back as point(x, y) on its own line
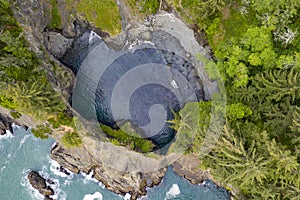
point(21, 152)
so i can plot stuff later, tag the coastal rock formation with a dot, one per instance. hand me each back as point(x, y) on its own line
point(187, 166)
point(5, 124)
point(6, 121)
point(39, 183)
point(135, 182)
point(121, 182)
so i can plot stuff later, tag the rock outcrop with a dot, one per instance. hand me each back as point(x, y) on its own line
point(121, 182)
point(187, 166)
point(6, 121)
point(39, 183)
point(5, 124)
point(84, 159)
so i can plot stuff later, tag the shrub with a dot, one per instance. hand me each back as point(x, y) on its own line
point(71, 139)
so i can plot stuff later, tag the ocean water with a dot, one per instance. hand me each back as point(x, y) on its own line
point(21, 152)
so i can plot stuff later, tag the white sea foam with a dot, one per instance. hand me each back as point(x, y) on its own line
point(137, 43)
point(89, 177)
point(53, 145)
point(7, 135)
point(54, 168)
point(2, 168)
point(143, 198)
point(173, 191)
point(23, 140)
point(95, 196)
point(67, 182)
point(127, 196)
point(93, 35)
point(58, 193)
point(55, 186)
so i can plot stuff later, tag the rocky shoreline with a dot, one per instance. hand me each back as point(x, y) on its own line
point(121, 182)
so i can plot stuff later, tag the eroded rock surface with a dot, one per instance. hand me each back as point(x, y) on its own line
point(6, 121)
point(121, 182)
point(39, 183)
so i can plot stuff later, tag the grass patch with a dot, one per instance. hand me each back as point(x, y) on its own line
point(61, 119)
point(103, 14)
point(41, 131)
point(145, 7)
point(71, 139)
point(55, 16)
point(121, 138)
point(15, 114)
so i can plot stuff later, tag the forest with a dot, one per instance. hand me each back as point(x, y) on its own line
point(255, 46)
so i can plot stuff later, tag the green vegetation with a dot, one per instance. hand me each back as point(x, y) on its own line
point(198, 11)
point(104, 14)
point(71, 139)
point(24, 84)
point(55, 16)
point(145, 7)
point(42, 131)
point(256, 47)
point(62, 119)
point(261, 169)
point(25, 88)
point(15, 114)
point(131, 140)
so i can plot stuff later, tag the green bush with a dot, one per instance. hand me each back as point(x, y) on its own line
point(15, 114)
point(61, 119)
point(55, 16)
point(7, 102)
point(103, 14)
point(120, 138)
point(71, 139)
point(41, 131)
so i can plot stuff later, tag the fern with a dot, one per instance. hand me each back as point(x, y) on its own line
point(279, 84)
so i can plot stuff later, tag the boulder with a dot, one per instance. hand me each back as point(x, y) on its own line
point(39, 183)
point(147, 35)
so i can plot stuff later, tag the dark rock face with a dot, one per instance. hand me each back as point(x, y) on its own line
point(39, 183)
point(77, 51)
point(5, 123)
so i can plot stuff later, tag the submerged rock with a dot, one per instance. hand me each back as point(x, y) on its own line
point(39, 183)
